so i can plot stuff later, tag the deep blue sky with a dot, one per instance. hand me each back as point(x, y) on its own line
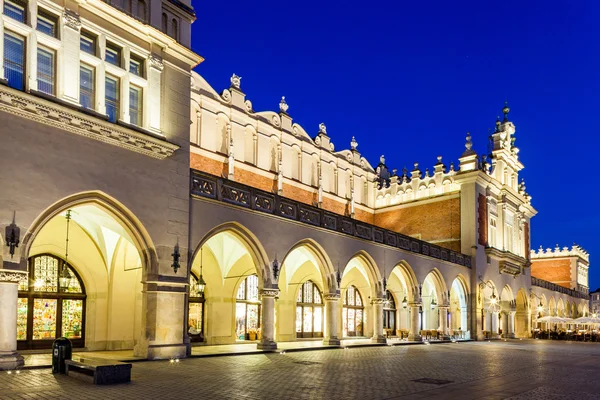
point(409, 78)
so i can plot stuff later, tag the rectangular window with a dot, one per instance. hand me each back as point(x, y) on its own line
point(113, 54)
point(87, 42)
point(45, 70)
point(135, 66)
point(16, 9)
point(112, 98)
point(14, 60)
point(47, 23)
point(135, 105)
point(86, 87)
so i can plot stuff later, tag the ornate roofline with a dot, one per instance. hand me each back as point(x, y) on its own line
point(46, 112)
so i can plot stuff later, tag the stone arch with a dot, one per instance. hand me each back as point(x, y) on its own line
point(552, 307)
point(370, 269)
point(256, 250)
point(560, 308)
point(567, 308)
point(522, 322)
point(433, 294)
point(459, 303)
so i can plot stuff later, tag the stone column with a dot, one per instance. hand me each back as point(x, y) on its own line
point(378, 336)
point(443, 315)
point(331, 319)
point(494, 326)
point(267, 341)
point(9, 281)
point(511, 324)
point(414, 335)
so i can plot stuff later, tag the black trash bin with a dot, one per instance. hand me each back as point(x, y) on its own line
point(62, 350)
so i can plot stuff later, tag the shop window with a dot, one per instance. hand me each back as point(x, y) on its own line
point(46, 310)
point(135, 105)
point(16, 10)
point(113, 54)
point(389, 313)
point(112, 98)
point(46, 68)
point(309, 311)
point(247, 309)
point(195, 312)
point(47, 23)
point(14, 60)
point(87, 42)
point(86, 87)
point(353, 313)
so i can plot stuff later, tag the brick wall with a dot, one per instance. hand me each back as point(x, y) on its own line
point(555, 271)
point(526, 237)
point(438, 222)
point(213, 167)
point(482, 217)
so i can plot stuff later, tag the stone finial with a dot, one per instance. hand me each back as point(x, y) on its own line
point(322, 128)
point(416, 165)
point(439, 159)
point(505, 111)
point(498, 123)
point(426, 172)
point(469, 143)
point(382, 159)
point(353, 143)
point(452, 167)
point(283, 106)
point(235, 81)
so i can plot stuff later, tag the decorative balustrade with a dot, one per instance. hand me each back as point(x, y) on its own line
point(227, 191)
point(557, 288)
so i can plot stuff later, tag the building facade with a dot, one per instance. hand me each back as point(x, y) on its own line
point(144, 210)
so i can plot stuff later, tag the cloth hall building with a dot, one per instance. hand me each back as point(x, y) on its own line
point(142, 209)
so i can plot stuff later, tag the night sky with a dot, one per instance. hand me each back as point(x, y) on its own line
point(410, 78)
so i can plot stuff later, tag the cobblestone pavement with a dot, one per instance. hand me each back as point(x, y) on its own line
point(491, 370)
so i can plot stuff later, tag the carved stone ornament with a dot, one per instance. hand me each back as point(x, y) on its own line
point(331, 147)
point(322, 128)
point(353, 143)
point(51, 114)
point(226, 95)
point(248, 105)
point(235, 81)
point(72, 19)
point(276, 120)
point(331, 297)
point(283, 106)
point(378, 301)
point(318, 141)
point(269, 292)
point(156, 62)
point(7, 275)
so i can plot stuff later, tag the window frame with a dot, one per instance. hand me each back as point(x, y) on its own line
point(54, 67)
point(140, 62)
point(17, 3)
point(118, 97)
point(110, 46)
point(24, 55)
point(140, 110)
point(83, 65)
point(45, 15)
point(91, 37)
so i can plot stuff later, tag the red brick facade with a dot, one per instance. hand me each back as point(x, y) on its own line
point(482, 217)
point(556, 271)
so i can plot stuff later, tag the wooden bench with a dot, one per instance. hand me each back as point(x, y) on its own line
point(98, 371)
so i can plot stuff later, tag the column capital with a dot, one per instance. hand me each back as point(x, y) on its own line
point(331, 296)
point(378, 301)
point(13, 276)
point(269, 292)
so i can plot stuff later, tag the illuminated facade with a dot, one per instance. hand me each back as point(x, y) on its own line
point(192, 218)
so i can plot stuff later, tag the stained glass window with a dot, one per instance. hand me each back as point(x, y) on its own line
point(59, 313)
point(44, 318)
point(72, 318)
point(45, 274)
point(309, 311)
point(22, 319)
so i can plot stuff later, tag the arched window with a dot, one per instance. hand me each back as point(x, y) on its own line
point(46, 309)
point(353, 313)
point(247, 309)
point(195, 311)
point(389, 313)
point(309, 311)
point(164, 22)
point(141, 10)
point(174, 29)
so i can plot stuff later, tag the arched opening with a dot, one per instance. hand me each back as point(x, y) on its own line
point(552, 307)
point(560, 308)
point(196, 310)
point(389, 314)
point(174, 29)
point(89, 291)
point(231, 263)
point(400, 284)
point(507, 304)
point(309, 311)
point(432, 295)
point(359, 284)
point(489, 303)
point(458, 308)
point(522, 328)
point(164, 22)
point(303, 283)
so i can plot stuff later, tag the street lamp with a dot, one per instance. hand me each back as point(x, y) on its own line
point(433, 303)
point(65, 275)
point(201, 284)
point(404, 302)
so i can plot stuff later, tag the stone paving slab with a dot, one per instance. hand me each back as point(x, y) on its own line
point(476, 370)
